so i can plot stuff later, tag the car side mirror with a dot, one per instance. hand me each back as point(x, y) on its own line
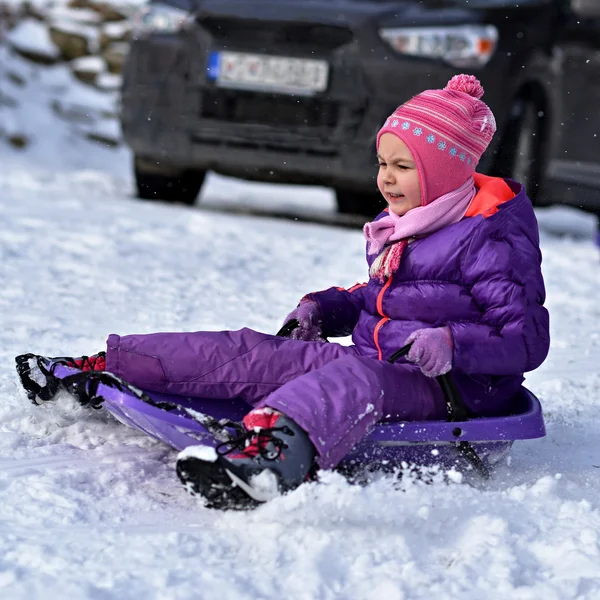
point(586, 8)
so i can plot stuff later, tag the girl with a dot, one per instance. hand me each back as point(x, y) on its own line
point(454, 269)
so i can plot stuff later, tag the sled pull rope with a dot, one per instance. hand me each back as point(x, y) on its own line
point(457, 412)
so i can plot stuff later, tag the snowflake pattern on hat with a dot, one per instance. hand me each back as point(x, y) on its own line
point(446, 130)
point(431, 138)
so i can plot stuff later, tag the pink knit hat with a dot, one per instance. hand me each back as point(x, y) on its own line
point(446, 131)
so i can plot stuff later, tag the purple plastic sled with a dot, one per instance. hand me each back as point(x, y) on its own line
point(477, 443)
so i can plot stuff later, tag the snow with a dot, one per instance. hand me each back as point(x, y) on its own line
point(117, 29)
point(32, 36)
point(89, 63)
point(57, 143)
point(205, 453)
point(263, 486)
point(92, 509)
point(80, 15)
point(108, 81)
point(87, 32)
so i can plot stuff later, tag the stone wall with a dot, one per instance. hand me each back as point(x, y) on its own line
point(89, 38)
point(77, 29)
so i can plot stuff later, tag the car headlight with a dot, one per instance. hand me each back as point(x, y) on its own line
point(460, 46)
point(159, 18)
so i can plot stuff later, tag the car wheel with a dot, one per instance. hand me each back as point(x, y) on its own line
point(182, 188)
point(520, 153)
point(359, 203)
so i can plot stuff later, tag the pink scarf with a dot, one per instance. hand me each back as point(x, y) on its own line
point(417, 222)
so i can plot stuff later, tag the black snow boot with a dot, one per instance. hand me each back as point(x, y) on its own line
point(272, 456)
point(37, 372)
point(39, 379)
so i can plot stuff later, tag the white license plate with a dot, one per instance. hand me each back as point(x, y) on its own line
point(276, 73)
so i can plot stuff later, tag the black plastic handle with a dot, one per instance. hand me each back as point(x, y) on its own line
point(288, 328)
point(456, 407)
point(457, 410)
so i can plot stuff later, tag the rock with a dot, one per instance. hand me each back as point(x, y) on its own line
point(72, 113)
point(106, 132)
point(114, 32)
point(16, 78)
point(114, 55)
point(74, 41)
point(18, 140)
point(94, 136)
point(108, 11)
point(8, 15)
point(109, 82)
point(88, 68)
point(29, 9)
point(83, 16)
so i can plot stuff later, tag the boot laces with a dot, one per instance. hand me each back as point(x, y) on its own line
point(84, 363)
point(253, 443)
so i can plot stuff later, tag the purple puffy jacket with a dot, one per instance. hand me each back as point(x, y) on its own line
point(481, 277)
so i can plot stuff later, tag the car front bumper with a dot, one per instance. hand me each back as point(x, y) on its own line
point(173, 114)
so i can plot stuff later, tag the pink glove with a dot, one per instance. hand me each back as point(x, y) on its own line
point(310, 322)
point(432, 349)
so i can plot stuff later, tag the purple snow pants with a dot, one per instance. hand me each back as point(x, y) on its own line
point(331, 391)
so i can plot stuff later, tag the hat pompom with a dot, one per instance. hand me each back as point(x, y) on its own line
point(468, 84)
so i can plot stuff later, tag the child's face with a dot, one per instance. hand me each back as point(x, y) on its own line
point(398, 178)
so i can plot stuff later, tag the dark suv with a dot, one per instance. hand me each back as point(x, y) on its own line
point(294, 91)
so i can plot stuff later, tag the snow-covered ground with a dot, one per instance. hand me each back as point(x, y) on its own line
point(91, 509)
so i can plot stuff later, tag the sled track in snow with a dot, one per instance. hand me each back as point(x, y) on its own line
point(23, 466)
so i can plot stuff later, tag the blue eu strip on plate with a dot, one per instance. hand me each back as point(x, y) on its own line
point(213, 69)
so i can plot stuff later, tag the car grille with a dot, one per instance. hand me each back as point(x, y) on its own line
point(309, 36)
point(273, 110)
point(306, 125)
point(310, 124)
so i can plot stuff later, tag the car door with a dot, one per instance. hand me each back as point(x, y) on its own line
point(574, 171)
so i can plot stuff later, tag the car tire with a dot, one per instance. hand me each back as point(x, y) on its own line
point(520, 155)
point(350, 202)
point(177, 188)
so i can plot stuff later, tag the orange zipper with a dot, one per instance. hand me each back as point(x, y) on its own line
point(379, 325)
point(385, 319)
point(380, 296)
